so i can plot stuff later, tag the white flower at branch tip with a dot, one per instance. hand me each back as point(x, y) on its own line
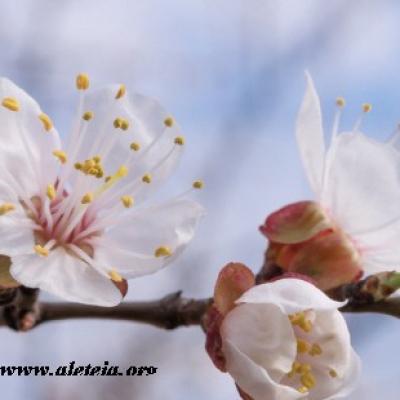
point(286, 340)
point(71, 219)
point(356, 180)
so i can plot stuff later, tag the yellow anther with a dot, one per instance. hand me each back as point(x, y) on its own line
point(115, 276)
point(308, 380)
point(87, 198)
point(10, 103)
point(127, 201)
point(198, 184)
point(333, 373)
point(180, 140)
point(315, 350)
point(107, 178)
point(168, 122)
point(299, 319)
point(163, 251)
point(42, 251)
point(51, 192)
point(82, 82)
point(302, 389)
point(295, 369)
point(6, 208)
point(121, 123)
point(117, 122)
point(124, 124)
point(366, 107)
point(100, 174)
point(146, 178)
point(78, 166)
point(87, 116)
point(304, 368)
point(135, 146)
point(340, 102)
point(61, 155)
point(122, 171)
point(96, 159)
point(121, 92)
point(302, 346)
point(46, 121)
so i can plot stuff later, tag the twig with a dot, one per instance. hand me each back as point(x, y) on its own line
point(169, 312)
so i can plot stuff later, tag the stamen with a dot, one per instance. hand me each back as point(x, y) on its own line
point(87, 116)
point(10, 103)
point(127, 201)
point(333, 373)
point(367, 107)
point(46, 121)
point(51, 192)
point(6, 208)
point(135, 146)
point(308, 380)
point(302, 346)
point(61, 155)
point(121, 92)
point(179, 140)
point(121, 123)
point(82, 82)
point(315, 350)
point(146, 178)
point(198, 184)
point(41, 251)
point(115, 276)
point(302, 389)
point(87, 198)
point(340, 102)
point(168, 122)
point(162, 251)
point(299, 319)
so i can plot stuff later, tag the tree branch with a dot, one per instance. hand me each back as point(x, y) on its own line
point(169, 312)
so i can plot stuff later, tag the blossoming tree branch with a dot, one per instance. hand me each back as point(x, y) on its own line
point(76, 223)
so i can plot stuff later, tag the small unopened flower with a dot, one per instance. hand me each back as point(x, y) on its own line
point(71, 217)
point(353, 226)
point(282, 340)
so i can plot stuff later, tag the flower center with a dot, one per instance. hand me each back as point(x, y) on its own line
point(302, 370)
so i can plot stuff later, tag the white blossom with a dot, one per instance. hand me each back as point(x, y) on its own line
point(286, 340)
point(72, 219)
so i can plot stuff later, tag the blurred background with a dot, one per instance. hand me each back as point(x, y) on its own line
point(232, 73)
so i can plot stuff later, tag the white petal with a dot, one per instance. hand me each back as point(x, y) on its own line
point(268, 342)
point(291, 295)
point(65, 276)
point(310, 136)
point(254, 379)
point(132, 242)
point(362, 187)
point(146, 128)
point(25, 147)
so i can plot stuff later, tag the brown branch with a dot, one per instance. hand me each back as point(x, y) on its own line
point(387, 307)
point(169, 312)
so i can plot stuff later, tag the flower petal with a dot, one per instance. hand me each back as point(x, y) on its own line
point(156, 153)
point(295, 223)
point(65, 276)
point(272, 346)
point(130, 246)
point(26, 145)
point(331, 333)
point(362, 187)
point(233, 280)
point(290, 295)
point(329, 259)
point(310, 136)
point(253, 379)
